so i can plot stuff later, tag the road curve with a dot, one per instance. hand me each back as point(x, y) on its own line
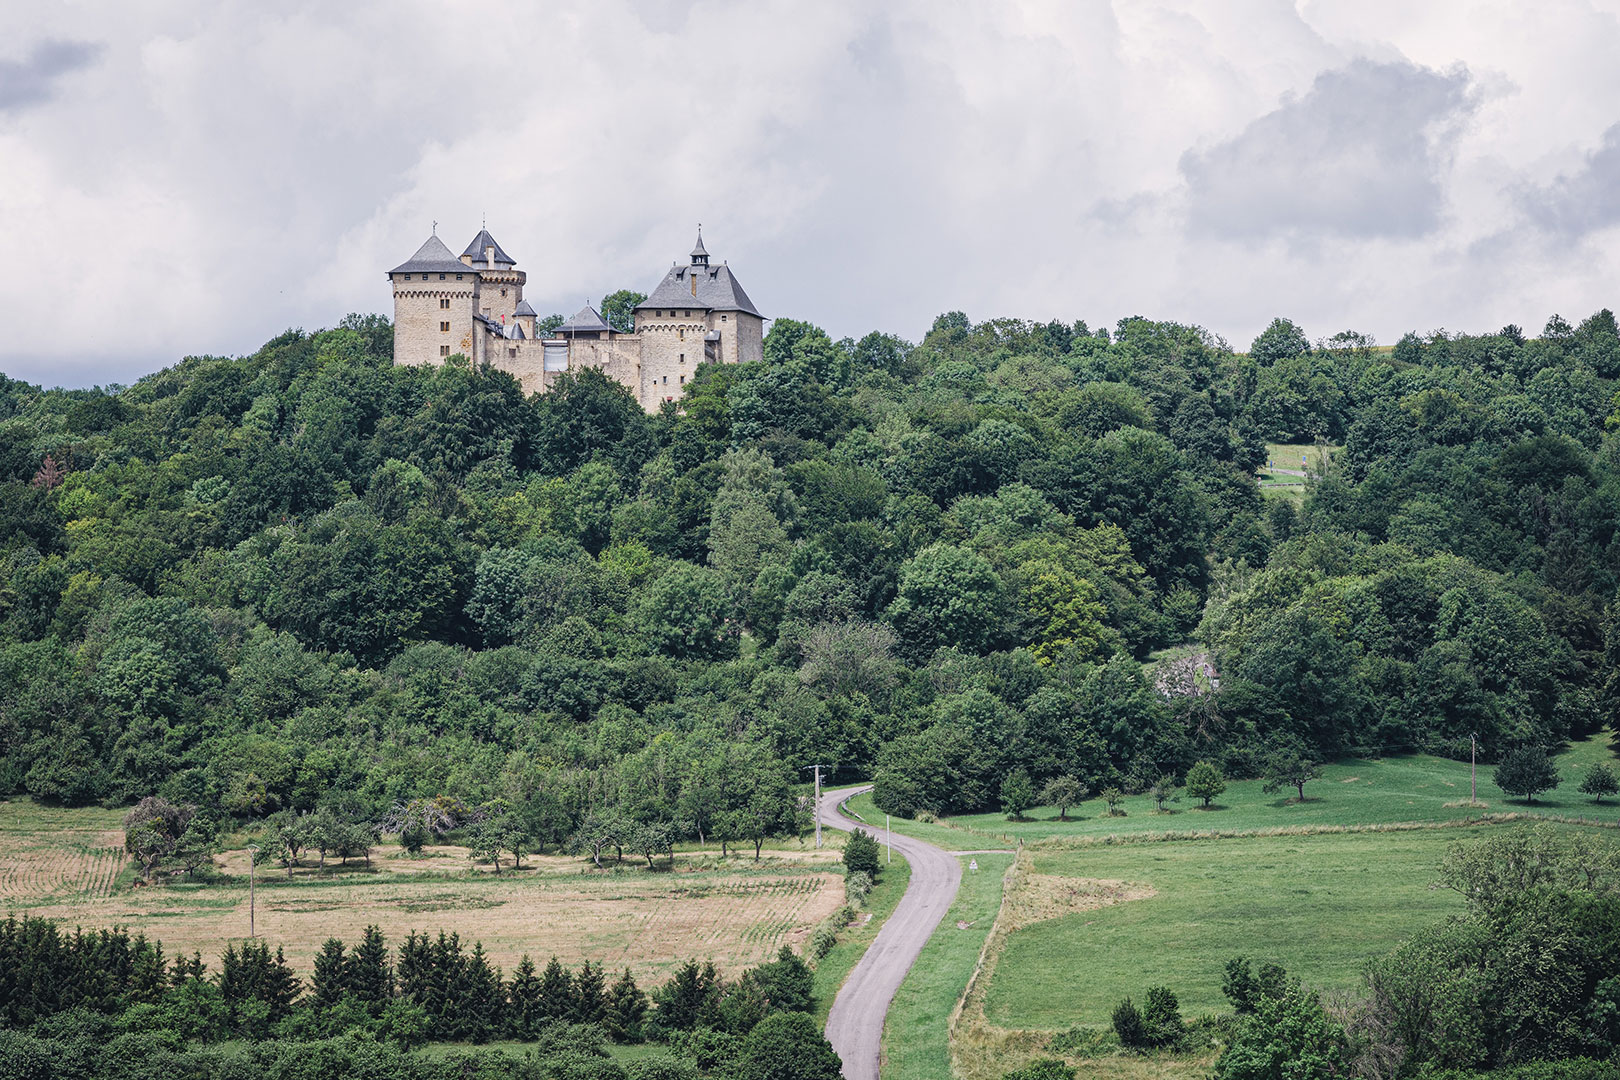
point(855, 1025)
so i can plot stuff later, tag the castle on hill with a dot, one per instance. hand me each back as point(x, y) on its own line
point(444, 305)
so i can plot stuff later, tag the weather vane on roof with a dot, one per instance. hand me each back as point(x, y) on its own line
point(435, 228)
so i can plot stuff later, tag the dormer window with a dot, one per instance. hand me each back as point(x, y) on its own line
point(441, 277)
point(722, 318)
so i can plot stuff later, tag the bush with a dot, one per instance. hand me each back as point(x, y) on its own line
point(1128, 1025)
point(862, 853)
point(1158, 1025)
point(822, 940)
point(1162, 1017)
point(857, 885)
point(787, 1046)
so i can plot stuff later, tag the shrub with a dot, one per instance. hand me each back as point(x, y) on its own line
point(1162, 1017)
point(1128, 1025)
point(862, 853)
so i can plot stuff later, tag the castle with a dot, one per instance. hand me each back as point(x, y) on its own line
point(473, 305)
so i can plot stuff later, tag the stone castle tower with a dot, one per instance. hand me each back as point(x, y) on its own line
point(473, 305)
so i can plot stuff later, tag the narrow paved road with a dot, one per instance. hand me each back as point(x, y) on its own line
point(855, 1025)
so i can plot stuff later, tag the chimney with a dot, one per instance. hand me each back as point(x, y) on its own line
point(489, 257)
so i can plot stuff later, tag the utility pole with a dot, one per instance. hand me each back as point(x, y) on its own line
point(253, 852)
point(817, 768)
point(888, 831)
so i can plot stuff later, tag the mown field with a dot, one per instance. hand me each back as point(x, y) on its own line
point(1108, 906)
point(1418, 788)
point(69, 865)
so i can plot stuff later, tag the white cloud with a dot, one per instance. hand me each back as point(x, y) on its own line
point(194, 178)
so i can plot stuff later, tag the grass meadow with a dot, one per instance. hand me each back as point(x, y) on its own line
point(915, 1043)
point(1415, 788)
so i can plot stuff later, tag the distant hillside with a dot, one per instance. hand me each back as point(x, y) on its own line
point(310, 578)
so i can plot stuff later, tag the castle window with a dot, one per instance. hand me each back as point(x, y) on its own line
point(444, 350)
point(458, 277)
point(511, 352)
point(683, 358)
point(682, 332)
point(444, 328)
point(683, 380)
point(441, 277)
point(503, 292)
point(444, 302)
point(722, 318)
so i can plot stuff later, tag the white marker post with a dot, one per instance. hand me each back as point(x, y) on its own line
point(973, 865)
point(888, 830)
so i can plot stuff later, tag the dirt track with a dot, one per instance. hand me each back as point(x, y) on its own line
point(855, 1025)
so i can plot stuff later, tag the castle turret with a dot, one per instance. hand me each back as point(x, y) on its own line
point(435, 300)
point(501, 282)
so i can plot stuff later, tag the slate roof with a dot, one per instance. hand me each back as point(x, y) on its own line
point(700, 251)
point(584, 321)
point(484, 240)
point(524, 308)
point(432, 256)
point(717, 290)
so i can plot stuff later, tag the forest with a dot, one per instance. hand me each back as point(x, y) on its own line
point(309, 582)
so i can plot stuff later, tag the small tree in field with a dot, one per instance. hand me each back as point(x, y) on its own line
point(1063, 792)
point(1017, 794)
point(1600, 781)
point(153, 829)
point(1526, 772)
point(1163, 791)
point(1205, 781)
point(1112, 796)
point(1288, 767)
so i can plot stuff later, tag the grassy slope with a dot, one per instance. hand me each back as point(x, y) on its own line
point(914, 1036)
point(1356, 792)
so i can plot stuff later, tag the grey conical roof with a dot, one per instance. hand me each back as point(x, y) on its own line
point(700, 251)
point(431, 256)
point(524, 308)
point(484, 240)
point(584, 321)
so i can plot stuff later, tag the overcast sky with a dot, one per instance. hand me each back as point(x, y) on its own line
point(180, 178)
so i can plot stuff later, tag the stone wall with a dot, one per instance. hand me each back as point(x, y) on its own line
point(418, 316)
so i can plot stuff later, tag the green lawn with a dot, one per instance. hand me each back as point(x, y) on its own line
point(1319, 904)
point(1290, 455)
point(915, 1045)
point(1355, 792)
point(834, 968)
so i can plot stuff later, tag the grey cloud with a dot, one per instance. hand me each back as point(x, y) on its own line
point(32, 79)
point(1359, 155)
point(1582, 202)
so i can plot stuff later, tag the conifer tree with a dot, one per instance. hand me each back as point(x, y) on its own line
point(483, 997)
point(415, 967)
point(369, 976)
point(331, 975)
point(626, 1009)
point(556, 992)
point(523, 1016)
point(590, 995)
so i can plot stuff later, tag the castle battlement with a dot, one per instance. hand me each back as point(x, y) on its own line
point(473, 305)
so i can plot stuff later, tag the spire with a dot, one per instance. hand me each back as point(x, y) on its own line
point(700, 254)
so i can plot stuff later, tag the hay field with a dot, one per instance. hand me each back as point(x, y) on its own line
point(62, 864)
point(48, 853)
